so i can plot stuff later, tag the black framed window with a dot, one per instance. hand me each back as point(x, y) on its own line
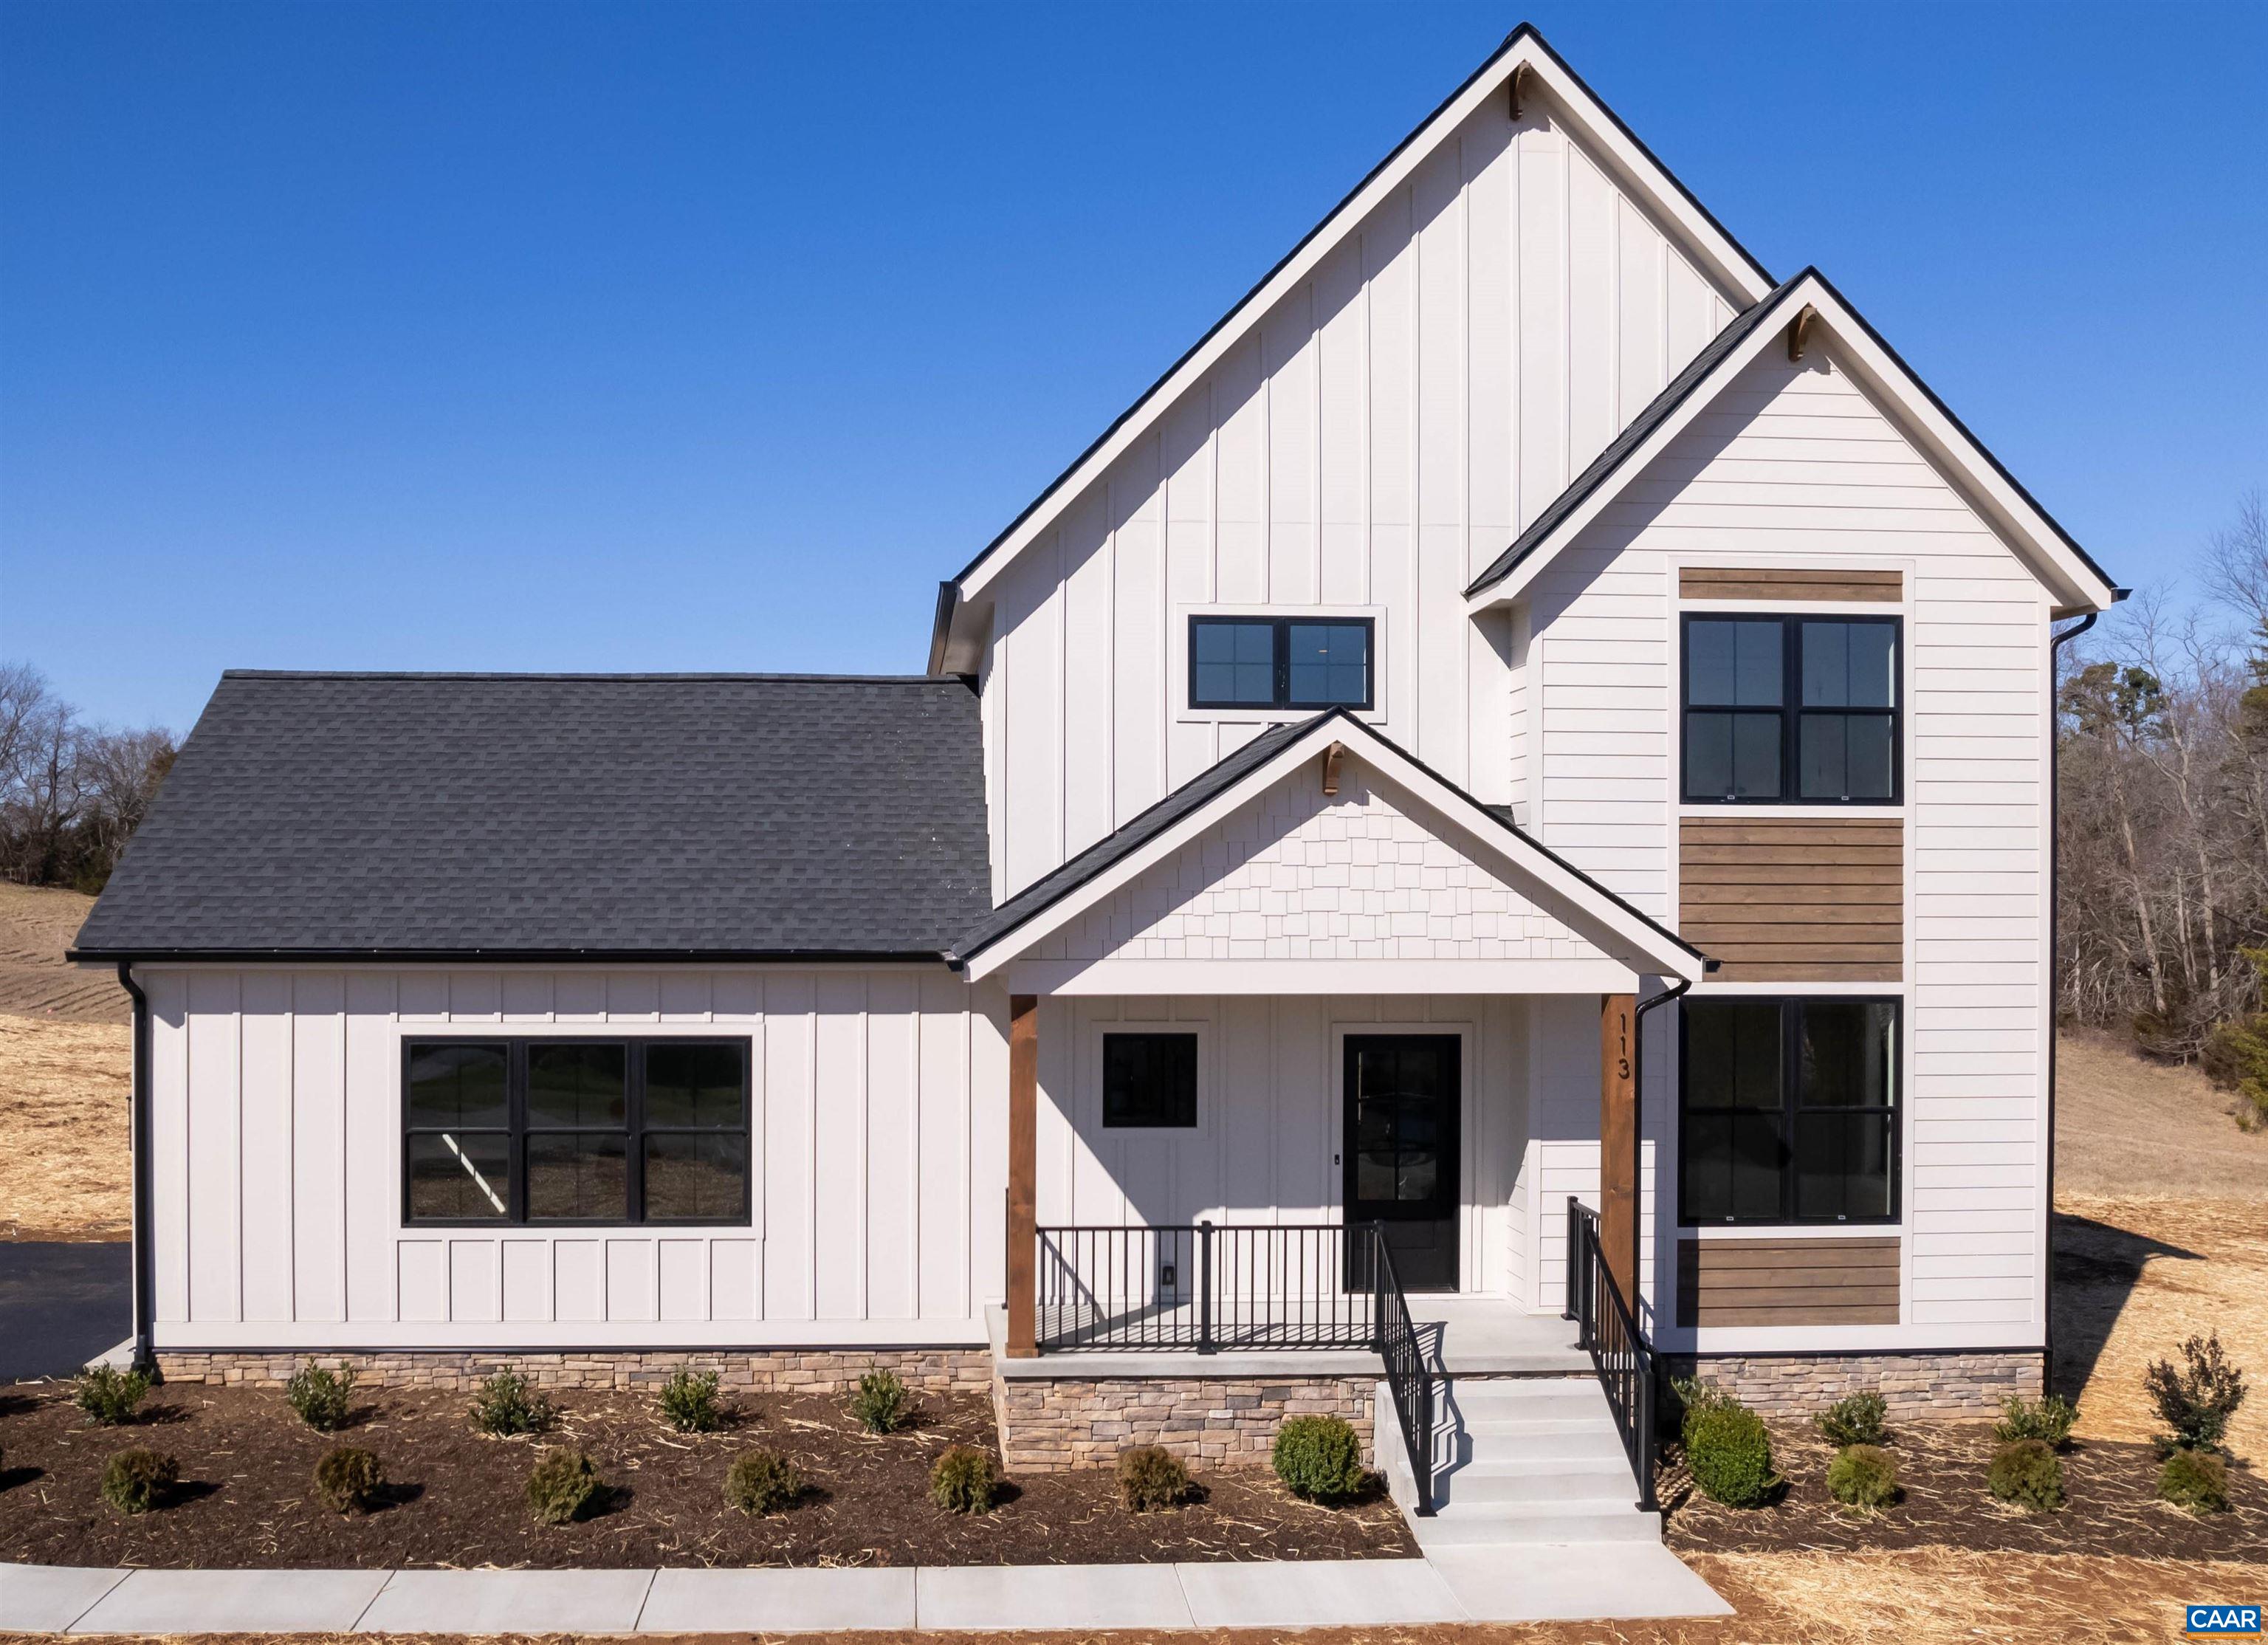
point(1149, 1082)
point(1784, 709)
point(1787, 1110)
point(574, 1130)
point(1280, 662)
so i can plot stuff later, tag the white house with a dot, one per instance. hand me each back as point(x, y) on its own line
point(1525, 677)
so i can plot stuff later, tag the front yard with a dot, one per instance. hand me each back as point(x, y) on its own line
point(246, 1497)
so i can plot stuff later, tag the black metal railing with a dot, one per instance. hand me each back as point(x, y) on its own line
point(1203, 1289)
point(1607, 1327)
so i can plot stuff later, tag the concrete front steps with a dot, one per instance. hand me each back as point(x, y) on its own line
point(1519, 1459)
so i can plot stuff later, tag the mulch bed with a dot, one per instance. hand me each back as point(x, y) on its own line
point(247, 1497)
point(2109, 1488)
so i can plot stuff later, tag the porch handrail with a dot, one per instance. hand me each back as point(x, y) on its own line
point(1409, 1378)
point(1607, 1328)
point(1199, 1287)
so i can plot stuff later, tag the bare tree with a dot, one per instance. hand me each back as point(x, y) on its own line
point(71, 794)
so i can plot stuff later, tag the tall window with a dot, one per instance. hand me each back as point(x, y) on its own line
point(1791, 709)
point(574, 1130)
point(1788, 1110)
point(1280, 662)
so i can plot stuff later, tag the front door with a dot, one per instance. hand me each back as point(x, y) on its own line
point(1401, 1149)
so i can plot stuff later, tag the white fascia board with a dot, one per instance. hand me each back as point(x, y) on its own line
point(1638, 173)
point(1127, 978)
point(1624, 934)
point(2015, 518)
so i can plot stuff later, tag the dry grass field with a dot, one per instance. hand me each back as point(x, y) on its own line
point(2162, 1231)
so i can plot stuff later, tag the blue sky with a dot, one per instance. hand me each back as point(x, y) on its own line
point(711, 337)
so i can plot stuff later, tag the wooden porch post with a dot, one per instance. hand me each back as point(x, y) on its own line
point(1023, 1170)
point(1618, 1142)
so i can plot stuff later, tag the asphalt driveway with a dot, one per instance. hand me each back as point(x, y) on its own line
point(60, 1305)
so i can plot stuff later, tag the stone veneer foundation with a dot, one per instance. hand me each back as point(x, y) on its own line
point(1955, 1384)
point(933, 1370)
point(1049, 1424)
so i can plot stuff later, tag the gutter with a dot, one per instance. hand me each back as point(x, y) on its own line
point(2055, 958)
point(145, 1308)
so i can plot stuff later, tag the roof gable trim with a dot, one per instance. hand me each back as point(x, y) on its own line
point(1634, 165)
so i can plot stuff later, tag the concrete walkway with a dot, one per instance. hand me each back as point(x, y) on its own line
point(1586, 1582)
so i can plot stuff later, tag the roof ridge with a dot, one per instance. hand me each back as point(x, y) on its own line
point(690, 677)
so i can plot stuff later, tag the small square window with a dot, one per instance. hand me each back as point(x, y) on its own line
point(1149, 1082)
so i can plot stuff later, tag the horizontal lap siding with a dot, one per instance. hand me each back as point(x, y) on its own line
point(1792, 478)
point(1796, 898)
point(278, 1104)
point(1778, 1282)
point(1380, 438)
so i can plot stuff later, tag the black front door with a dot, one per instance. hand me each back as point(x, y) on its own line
point(1401, 1149)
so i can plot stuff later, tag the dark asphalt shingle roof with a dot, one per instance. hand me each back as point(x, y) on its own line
point(538, 814)
point(1641, 428)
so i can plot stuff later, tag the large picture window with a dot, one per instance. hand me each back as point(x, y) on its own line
point(1280, 662)
point(1787, 1110)
point(1791, 710)
point(607, 1131)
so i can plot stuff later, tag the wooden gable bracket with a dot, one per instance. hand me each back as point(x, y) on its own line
point(1517, 85)
point(1332, 756)
point(1798, 332)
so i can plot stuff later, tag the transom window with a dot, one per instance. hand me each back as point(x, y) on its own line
point(1791, 709)
point(1149, 1082)
point(574, 1130)
point(1788, 1110)
point(1280, 662)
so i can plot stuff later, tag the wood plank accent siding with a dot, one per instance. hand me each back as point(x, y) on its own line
point(1787, 1281)
point(1718, 582)
point(1794, 899)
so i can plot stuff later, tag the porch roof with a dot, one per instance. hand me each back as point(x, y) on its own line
point(1624, 935)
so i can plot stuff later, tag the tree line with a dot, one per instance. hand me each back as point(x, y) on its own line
point(2162, 751)
point(72, 793)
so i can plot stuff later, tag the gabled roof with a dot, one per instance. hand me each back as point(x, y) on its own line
point(577, 816)
point(1722, 256)
point(1611, 924)
point(2053, 555)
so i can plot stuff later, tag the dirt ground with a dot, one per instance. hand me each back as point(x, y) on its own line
point(246, 1462)
point(36, 926)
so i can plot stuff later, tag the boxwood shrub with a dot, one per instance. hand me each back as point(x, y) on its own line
point(2027, 1474)
point(1729, 1454)
point(1319, 1458)
point(2195, 1479)
point(1864, 1477)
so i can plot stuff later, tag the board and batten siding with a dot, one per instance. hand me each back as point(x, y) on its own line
point(1267, 1143)
point(1794, 466)
point(878, 1130)
point(1380, 435)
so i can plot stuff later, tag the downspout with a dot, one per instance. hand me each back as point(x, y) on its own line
point(2055, 958)
point(138, 1136)
point(1637, 1086)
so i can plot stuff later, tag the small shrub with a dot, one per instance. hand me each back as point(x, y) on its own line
point(963, 1480)
point(135, 1480)
point(1864, 1477)
point(1319, 1458)
point(1729, 1454)
point(1696, 1396)
point(2196, 1401)
point(109, 1396)
point(2050, 1421)
point(563, 1485)
point(1151, 1477)
point(688, 1401)
point(350, 1479)
point(508, 1404)
point(2028, 1473)
point(882, 1405)
point(2195, 1479)
point(1854, 1419)
point(762, 1482)
point(320, 1397)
